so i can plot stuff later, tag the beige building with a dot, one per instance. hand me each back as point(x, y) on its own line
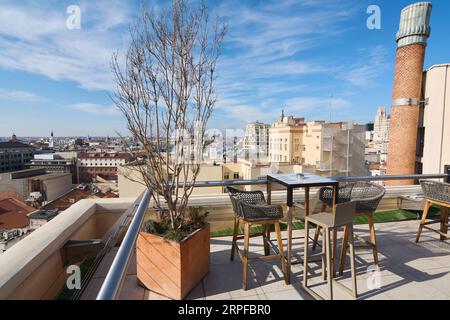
point(256, 140)
point(232, 171)
point(25, 182)
point(324, 148)
point(381, 134)
point(254, 171)
point(286, 140)
point(435, 131)
point(129, 180)
point(343, 150)
point(316, 143)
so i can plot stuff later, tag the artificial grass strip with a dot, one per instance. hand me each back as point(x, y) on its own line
point(378, 217)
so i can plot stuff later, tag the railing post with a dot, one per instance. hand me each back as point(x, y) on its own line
point(112, 284)
point(447, 171)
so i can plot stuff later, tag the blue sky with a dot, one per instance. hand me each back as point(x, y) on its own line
point(290, 55)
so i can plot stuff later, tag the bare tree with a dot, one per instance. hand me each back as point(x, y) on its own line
point(165, 90)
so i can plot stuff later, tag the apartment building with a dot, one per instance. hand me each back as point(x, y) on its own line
point(53, 162)
point(342, 151)
point(15, 155)
point(324, 148)
point(250, 170)
point(256, 140)
point(286, 140)
point(381, 134)
point(91, 165)
point(316, 143)
point(131, 184)
point(36, 181)
point(433, 144)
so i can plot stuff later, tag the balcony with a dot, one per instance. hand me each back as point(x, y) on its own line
point(35, 268)
point(408, 271)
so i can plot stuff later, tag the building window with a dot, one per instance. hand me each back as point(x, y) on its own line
point(226, 176)
point(236, 175)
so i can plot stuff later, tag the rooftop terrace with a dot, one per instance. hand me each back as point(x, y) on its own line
point(35, 268)
point(407, 271)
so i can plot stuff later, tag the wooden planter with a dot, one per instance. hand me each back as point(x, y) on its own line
point(169, 268)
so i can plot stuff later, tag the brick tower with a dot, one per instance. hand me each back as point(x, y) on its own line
point(411, 42)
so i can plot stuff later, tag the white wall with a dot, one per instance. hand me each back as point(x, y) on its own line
point(436, 153)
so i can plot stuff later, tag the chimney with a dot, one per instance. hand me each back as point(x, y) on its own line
point(411, 42)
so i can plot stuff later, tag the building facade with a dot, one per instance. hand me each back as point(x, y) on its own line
point(15, 155)
point(341, 151)
point(286, 140)
point(256, 140)
point(49, 186)
point(131, 183)
point(336, 148)
point(434, 130)
point(55, 163)
point(91, 165)
point(381, 134)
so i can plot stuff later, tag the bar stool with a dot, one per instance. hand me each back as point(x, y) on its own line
point(250, 208)
point(367, 197)
point(343, 217)
point(437, 193)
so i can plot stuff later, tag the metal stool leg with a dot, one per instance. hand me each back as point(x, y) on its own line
point(444, 223)
point(373, 239)
point(324, 254)
point(327, 233)
point(352, 259)
point(323, 207)
point(266, 238)
point(424, 218)
point(344, 250)
point(305, 258)
point(233, 244)
point(245, 257)
point(281, 251)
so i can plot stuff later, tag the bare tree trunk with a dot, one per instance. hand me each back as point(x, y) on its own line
point(165, 90)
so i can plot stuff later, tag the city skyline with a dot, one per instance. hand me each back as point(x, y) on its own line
point(53, 78)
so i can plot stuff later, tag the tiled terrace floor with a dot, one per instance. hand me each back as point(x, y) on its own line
point(407, 271)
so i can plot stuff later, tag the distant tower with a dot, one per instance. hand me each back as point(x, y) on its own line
point(51, 143)
point(13, 138)
point(411, 41)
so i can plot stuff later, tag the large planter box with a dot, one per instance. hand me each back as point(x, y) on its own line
point(169, 268)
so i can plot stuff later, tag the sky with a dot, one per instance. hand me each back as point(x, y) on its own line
point(291, 55)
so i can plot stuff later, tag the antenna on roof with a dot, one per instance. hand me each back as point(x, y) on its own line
point(331, 106)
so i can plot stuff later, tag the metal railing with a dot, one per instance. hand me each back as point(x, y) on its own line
point(113, 282)
point(112, 285)
point(261, 181)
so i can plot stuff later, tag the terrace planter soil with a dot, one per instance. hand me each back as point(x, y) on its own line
point(170, 268)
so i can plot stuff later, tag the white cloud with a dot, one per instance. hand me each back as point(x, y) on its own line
point(17, 95)
point(269, 64)
point(371, 66)
point(34, 38)
point(264, 68)
point(94, 108)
